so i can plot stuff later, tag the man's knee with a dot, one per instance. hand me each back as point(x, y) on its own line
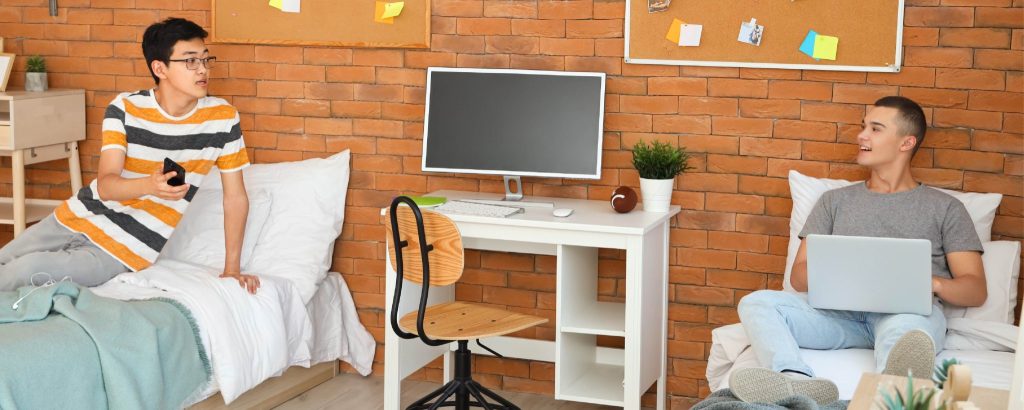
point(759, 300)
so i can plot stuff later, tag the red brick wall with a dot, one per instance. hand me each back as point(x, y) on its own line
point(746, 127)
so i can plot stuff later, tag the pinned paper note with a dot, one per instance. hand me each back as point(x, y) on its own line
point(689, 35)
point(392, 9)
point(807, 47)
point(825, 47)
point(288, 6)
point(673, 31)
point(751, 32)
point(378, 13)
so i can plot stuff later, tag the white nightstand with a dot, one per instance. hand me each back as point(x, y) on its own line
point(38, 127)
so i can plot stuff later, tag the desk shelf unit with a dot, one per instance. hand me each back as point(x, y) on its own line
point(584, 371)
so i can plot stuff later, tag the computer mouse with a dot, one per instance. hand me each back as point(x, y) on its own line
point(562, 212)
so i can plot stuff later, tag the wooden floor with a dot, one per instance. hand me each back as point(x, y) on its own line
point(351, 391)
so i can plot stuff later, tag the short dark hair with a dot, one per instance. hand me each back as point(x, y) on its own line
point(911, 117)
point(159, 40)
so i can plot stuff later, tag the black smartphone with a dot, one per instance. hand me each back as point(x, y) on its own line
point(179, 178)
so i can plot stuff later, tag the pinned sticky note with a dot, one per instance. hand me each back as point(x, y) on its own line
point(825, 47)
point(276, 4)
point(673, 31)
point(378, 12)
point(807, 47)
point(689, 35)
point(290, 6)
point(392, 9)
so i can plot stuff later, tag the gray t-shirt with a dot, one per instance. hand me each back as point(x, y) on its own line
point(920, 213)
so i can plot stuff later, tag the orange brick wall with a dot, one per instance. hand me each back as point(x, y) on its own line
point(746, 127)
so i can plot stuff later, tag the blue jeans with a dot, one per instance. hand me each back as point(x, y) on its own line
point(780, 323)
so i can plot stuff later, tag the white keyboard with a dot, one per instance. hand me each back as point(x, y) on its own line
point(477, 209)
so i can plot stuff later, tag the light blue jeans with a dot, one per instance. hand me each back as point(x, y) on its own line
point(780, 323)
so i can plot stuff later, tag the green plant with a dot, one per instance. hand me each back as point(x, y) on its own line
point(942, 371)
point(36, 64)
point(659, 160)
point(920, 399)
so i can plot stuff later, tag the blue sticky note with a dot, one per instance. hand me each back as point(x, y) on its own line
point(807, 47)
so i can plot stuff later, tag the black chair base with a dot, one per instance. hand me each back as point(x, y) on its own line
point(465, 391)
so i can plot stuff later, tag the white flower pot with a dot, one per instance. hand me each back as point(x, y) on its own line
point(657, 194)
point(35, 82)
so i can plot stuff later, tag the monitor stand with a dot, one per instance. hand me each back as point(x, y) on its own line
point(514, 196)
point(513, 193)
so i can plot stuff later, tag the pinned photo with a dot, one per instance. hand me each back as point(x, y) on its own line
point(654, 6)
point(751, 32)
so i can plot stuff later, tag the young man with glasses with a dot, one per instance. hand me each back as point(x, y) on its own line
point(122, 220)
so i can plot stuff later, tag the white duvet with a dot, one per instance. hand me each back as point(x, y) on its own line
point(248, 338)
point(985, 346)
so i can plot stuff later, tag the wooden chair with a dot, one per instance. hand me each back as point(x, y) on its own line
point(426, 248)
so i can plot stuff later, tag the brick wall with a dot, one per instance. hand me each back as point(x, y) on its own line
point(746, 127)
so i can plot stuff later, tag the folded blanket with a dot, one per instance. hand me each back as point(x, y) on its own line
point(725, 400)
point(64, 347)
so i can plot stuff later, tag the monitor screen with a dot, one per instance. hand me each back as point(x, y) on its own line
point(514, 122)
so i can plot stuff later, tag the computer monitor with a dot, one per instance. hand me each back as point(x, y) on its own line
point(514, 123)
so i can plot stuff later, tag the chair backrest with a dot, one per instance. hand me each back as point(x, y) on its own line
point(446, 259)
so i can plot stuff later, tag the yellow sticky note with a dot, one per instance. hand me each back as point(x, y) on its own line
point(276, 4)
point(673, 31)
point(825, 47)
point(392, 9)
point(378, 12)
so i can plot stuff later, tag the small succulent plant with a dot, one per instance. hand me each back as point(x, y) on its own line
point(920, 399)
point(35, 64)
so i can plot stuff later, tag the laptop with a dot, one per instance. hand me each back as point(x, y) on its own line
point(868, 274)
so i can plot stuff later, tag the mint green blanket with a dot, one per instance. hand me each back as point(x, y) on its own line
point(66, 348)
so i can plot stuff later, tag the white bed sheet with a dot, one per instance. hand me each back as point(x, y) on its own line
point(730, 351)
point(250, 338)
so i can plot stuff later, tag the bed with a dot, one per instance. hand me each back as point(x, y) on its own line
point(984, 338)
point(301, 316)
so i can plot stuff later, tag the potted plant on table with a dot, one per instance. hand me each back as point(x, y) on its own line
point(35, 75)
point(658, 164)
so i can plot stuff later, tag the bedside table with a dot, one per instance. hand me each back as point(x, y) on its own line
point(39, 127)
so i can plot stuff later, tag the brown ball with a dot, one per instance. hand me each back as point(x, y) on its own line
point(623, 199)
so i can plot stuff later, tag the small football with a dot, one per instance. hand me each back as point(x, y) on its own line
point(623, 199)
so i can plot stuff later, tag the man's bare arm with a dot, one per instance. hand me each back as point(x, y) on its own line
point(798, 277)
point(113, 187)
point(967, 288)
point(236, 211)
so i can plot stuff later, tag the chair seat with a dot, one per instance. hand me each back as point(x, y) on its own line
point(465, 321)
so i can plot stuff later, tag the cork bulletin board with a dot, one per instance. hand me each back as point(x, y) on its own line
point(870, 33)
point(345, 23)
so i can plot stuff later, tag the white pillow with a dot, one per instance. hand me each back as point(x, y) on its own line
point(297, 240)
point(199, 236)
point(806, 190)
point(1002, 268)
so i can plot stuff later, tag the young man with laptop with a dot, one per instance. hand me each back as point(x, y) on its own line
point(878, 260)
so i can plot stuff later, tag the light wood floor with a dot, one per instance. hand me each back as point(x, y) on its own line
point(351, 391)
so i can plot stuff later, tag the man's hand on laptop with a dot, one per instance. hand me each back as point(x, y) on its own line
point(936, 285)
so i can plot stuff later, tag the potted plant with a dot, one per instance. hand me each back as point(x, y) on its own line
point(35, 75)
point(658, 164)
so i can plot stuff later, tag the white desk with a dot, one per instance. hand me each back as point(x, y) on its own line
point(38, 127)
point(584, 372)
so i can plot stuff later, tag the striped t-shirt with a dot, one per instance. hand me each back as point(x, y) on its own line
point(134, 231)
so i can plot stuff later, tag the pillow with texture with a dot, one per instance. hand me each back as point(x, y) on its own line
point(297, 241)
point(806, 190)
point(199, 236)
point(1002, 269)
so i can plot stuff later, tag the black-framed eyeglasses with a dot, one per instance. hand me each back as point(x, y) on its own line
point(192, 63)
